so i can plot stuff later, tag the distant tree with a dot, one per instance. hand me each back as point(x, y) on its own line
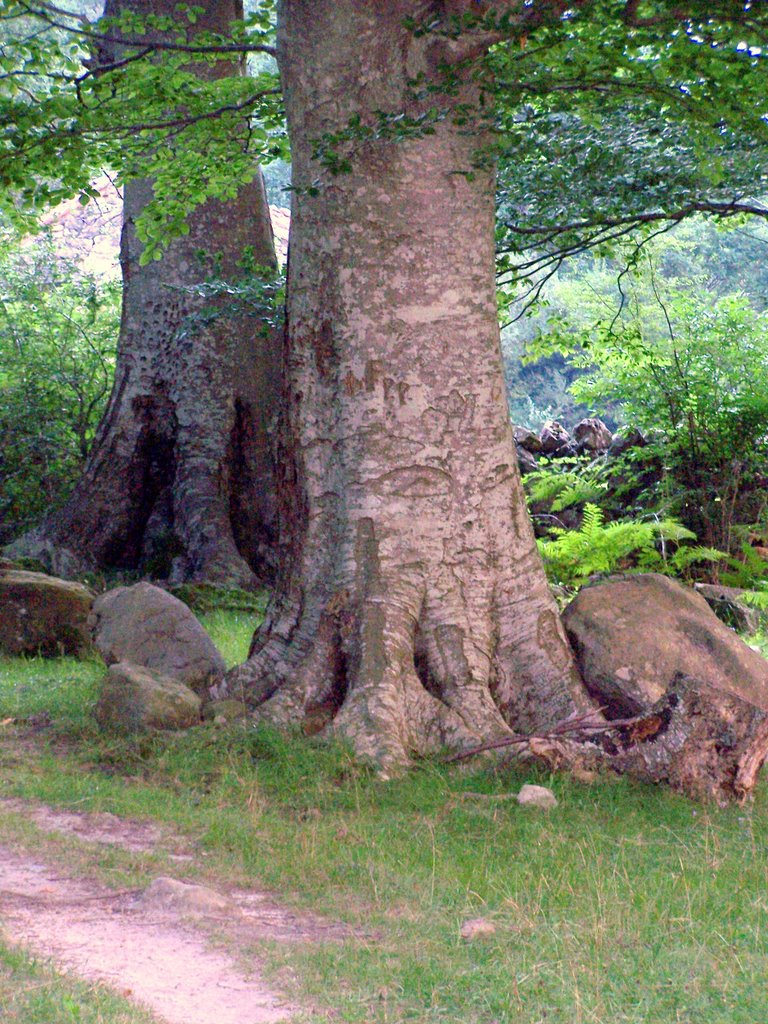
point(180, 478)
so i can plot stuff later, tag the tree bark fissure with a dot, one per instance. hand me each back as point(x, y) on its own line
point(180, 477)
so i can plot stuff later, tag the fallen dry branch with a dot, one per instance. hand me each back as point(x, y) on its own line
point(581, 726)
point(699, 740)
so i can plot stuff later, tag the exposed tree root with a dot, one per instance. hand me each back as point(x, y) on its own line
point(362, 684)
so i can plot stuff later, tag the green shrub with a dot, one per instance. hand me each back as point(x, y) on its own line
point(702, 389)
point(58, 331)
point(572, 556)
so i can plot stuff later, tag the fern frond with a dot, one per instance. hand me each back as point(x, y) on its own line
point(578, 493)
point(756, 598)
point(683, 558)
point(593, 519)
point(547, 485)
point(561, 489)
point(572, 556)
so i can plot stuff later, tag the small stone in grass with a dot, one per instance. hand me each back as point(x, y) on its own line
point(536, 796)
point(170, 895)
point(477, 928)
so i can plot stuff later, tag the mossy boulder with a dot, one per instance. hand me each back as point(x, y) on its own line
point(41, 614)
point(148, 626)
point(136, 699)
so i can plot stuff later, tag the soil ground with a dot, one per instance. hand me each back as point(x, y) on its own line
point(157, 952)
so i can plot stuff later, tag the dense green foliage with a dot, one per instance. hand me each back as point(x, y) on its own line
point(620, 118)
point(645, 112)
point(58, 332)
point(703, 390)
point(147, 112)
point(650, 545)
point(698, 258)
point(688, 368)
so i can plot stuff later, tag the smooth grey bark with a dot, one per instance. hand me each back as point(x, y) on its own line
point(181, 464)
point(412, 610)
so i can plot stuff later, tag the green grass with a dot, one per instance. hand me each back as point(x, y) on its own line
point(232, 632)
point(31, 993)
point(64, 688)
point(626, 905)
point(67, 688)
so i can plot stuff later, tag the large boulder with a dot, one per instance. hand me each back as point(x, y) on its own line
point(41, 614)
point(135, 699)
point(636, 635)
point(592, 435)
point(555, 440)
point(149, 627)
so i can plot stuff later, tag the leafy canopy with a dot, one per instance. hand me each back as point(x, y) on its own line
point(607, 115)
point(143, 97)
point(625, 117)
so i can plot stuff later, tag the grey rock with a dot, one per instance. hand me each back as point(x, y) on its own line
point(148, 626)
point(527, 439)
point(592, 435)
point(135, 699)
point(555, 439)
point(728, 606)
point(43, 614)
point(635, 635)
point(168, 895)
point(622, 441)
point(536, 796)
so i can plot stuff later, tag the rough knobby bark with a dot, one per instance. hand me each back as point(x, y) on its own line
point(181, 465)
point(412, 610)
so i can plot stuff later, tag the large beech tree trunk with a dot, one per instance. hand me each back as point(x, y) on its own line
point(181, 466)
point(412, 608)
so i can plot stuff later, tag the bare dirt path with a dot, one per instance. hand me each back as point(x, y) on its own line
point(149, 945)
point(119, 940)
